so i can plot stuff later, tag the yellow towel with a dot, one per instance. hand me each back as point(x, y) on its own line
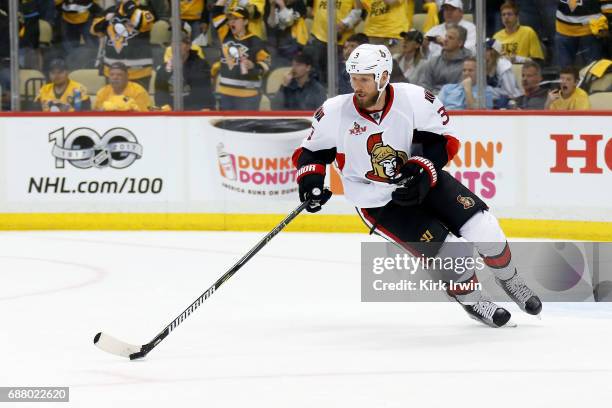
point(598, 24)
point(600, 67)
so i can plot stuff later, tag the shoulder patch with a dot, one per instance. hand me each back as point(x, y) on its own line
point(318, 115)
point(429, 96)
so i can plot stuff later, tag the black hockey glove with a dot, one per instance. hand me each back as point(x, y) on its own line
point(310, 178)
point(417, 176)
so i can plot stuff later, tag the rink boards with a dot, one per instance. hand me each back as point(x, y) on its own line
point(544, 175)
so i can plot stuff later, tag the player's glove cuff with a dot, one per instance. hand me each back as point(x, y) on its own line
point(418, 175)
point(309, 169)
point(310, 178)
point(422, 163)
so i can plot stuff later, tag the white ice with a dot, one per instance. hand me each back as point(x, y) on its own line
point(288, 330)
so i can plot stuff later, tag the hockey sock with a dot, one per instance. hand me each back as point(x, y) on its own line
point(486, 234)
point(462, 282)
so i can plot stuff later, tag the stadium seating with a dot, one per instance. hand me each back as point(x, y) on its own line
point(418, 21)
point(89, 78)
point(46, 33)
point(160, 33)
point(518, 75)
point(274, 80)
point(601, 100)
point(264, 104)
point(30, 82)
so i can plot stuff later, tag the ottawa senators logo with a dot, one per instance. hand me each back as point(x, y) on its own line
point(466, 202)
point(386, 161)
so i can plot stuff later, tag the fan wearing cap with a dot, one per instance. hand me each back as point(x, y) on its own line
point(62, 94)
point(499, 75)
point(411, 60)
point(256, 10)
point(122, 94)
point(518, 42)
point(244, 60)
point(452, 12)
point(404, 196)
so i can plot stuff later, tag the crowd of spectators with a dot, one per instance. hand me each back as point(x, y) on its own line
point(231, 48)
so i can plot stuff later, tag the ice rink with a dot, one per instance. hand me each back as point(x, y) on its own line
point(288, 330)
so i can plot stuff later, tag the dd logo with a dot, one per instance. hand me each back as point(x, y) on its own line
point(84, 148)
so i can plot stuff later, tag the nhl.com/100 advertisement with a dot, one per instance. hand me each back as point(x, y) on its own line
point(91, 163)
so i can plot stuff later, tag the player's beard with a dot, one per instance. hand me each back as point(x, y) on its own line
point(368, 101)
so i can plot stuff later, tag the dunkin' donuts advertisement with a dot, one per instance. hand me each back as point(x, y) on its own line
point(254, 156)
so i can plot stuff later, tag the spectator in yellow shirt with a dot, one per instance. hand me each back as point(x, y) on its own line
point(195, 14)
point(569, 97)
point(385, 21)
point(62, 94)
point(519, 42)
point(121, 94)
point(347, 17)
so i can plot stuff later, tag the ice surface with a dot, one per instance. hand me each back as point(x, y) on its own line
point(288, 330)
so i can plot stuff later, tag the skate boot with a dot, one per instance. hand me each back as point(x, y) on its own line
point(484, 310)
point(518, 291)
point(487, 312)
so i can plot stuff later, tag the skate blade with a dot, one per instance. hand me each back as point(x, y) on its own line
point(538, 316)
point(509, 324)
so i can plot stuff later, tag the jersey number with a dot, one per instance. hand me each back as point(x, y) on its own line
point(444, 115)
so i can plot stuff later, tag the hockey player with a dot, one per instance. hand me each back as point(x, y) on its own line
point(405, 198)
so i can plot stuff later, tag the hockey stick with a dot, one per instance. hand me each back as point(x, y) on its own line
point(131, 351)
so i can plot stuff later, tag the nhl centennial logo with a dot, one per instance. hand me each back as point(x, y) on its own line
point(84, 148)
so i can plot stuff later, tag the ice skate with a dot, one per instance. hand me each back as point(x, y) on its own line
point(486, 311)
point(520, 293)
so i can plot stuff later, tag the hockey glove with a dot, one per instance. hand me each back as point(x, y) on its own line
point(310, 178)
point(418, 176)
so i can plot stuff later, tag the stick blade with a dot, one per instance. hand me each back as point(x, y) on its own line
point(114, 346)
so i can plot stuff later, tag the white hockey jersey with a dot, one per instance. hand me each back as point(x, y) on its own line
point(369, 151)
